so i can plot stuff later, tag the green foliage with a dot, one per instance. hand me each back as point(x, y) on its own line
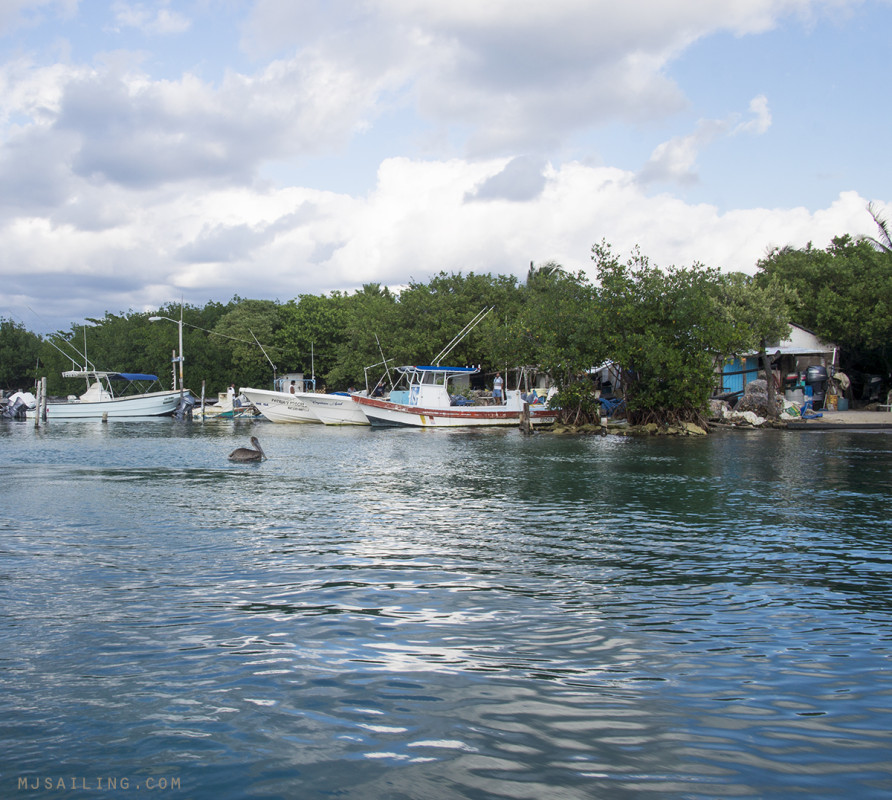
point(665, 328)
point(368, 323)
point(756, 313)
point(19, 353)
point(882, 242)
point(843, 294)
point(431, 315)
point(558, 326)
point(576, 404)
point(310, 333)
point(246, 330)
point(663, 332)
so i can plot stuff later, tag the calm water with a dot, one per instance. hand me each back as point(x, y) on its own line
point(443, 614)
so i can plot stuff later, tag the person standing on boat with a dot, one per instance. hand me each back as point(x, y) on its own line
point(497, 388)
point(293, 390)
point(232, 397)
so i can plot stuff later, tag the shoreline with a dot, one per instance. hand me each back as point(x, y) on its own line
point(849, 420)
point(829, 420)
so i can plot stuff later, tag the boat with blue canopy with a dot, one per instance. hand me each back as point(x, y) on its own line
point(134, 398)
point(438, 397)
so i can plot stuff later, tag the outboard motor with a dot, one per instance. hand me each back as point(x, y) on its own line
point(19, 408)
point(816, 377)
point(184, 407)
point(17, 405)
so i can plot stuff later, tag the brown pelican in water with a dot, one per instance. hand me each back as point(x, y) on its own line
point(247, 454)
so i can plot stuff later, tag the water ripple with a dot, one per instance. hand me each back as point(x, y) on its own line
point(447, 614)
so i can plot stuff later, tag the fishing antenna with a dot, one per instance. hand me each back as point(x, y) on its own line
point(87, 364)
point(265, 354)
point(384, 362)
point(461, 335)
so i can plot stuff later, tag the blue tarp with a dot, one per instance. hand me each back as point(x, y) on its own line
point(611, 404)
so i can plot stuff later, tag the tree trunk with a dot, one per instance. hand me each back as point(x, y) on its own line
point(769, 380)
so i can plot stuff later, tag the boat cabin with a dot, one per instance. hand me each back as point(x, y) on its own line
point(283, 383)
point(431, 386)
point(94, 394)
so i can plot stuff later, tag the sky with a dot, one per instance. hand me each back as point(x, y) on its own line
point(194, 151)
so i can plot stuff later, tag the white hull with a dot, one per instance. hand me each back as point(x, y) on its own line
point(153, 404)
point(228, 412)
point(382, 412)
point(336, 409)
point(281, 406)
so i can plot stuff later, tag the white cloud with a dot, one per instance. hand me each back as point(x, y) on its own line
point(15, 14)
point(675, 160)
point(31, 94)
point(118, 125)
point(124, 189)
point(515, 76)
point(160, 21)
point(761, 120)
point(416, 222)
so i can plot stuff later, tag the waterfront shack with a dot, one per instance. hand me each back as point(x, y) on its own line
point(793, 356)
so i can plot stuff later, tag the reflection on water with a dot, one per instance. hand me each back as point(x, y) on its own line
point(445, 614)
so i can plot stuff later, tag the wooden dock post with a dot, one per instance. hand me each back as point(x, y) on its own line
point(39, 403)
point(526, 424)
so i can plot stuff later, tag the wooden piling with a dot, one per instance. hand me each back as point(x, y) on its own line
point(526, 424)
point(39, 403)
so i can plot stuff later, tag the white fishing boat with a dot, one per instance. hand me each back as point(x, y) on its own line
point(337, 408)
point(305, 407)
point(437, 398)
point(101, 400)
point(281, 406)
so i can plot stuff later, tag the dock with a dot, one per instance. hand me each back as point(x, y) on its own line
point(846, 420)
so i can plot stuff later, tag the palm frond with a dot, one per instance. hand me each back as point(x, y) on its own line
point(884, 242)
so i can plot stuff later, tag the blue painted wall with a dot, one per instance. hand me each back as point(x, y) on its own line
point(736, 383)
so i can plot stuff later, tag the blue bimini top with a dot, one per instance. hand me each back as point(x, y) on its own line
point(132, 376)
